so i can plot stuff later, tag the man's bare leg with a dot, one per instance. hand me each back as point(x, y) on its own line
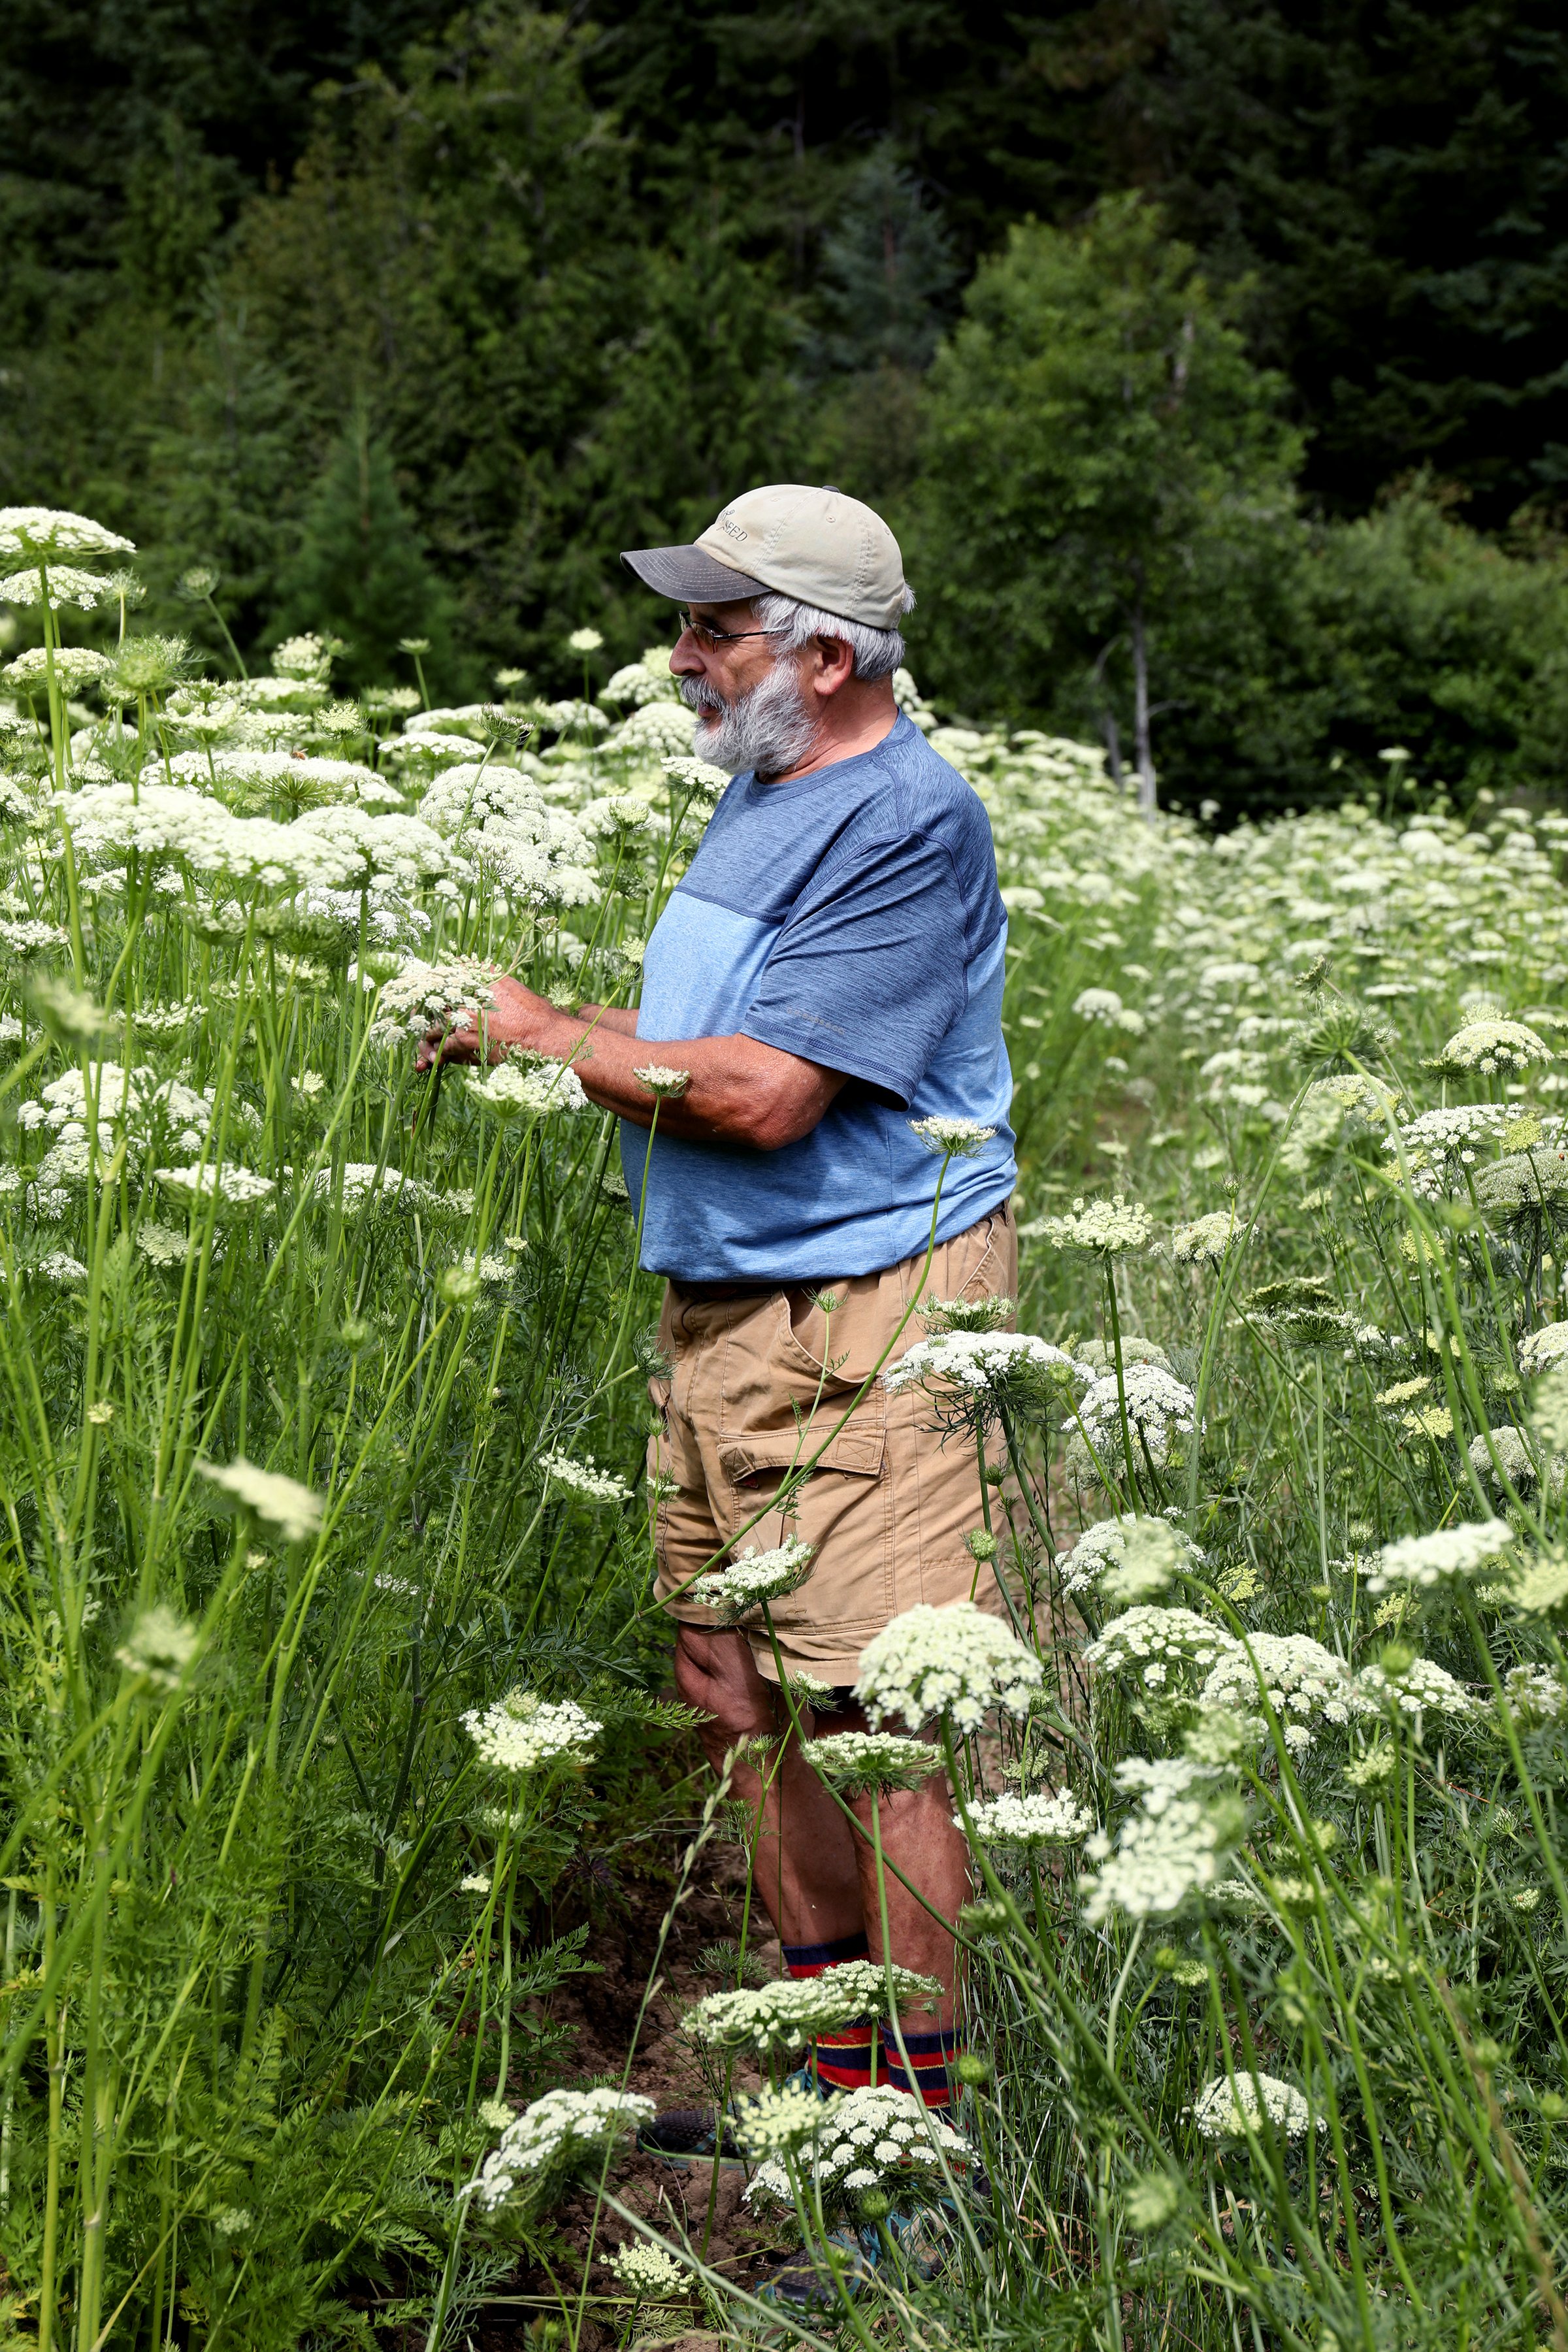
point(805, 1871)
point(816, 1875)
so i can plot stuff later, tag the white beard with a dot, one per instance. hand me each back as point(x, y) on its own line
point(769, 729)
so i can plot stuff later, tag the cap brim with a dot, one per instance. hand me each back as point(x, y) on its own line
point(689, 575)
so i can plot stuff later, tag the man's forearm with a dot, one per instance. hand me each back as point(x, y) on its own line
point(720, 1104)
point(737, 1091)
point(621, 1020)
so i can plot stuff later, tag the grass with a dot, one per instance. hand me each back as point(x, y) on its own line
point(1278, 2060)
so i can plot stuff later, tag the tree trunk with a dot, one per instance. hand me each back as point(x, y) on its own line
point(1148, 795)
point(1108, 726)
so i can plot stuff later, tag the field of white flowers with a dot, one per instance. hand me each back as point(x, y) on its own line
point(328, 1653)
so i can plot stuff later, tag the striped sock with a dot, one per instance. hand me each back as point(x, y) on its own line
point(929, 2070)
point(841, 2060)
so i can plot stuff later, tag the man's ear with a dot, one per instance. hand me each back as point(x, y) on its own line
point(836, 657)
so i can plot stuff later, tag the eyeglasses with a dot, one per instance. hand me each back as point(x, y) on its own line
point(708, 638)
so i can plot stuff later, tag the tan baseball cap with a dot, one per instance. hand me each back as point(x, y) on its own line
point(817, 545)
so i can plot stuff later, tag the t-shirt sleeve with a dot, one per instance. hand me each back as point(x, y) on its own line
point(867, 976)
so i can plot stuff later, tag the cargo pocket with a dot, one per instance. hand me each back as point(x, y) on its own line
point(843, 1509)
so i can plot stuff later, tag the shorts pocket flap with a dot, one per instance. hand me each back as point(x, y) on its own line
point(858, 1452)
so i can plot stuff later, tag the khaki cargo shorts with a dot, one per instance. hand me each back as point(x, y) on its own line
point(889, 1503)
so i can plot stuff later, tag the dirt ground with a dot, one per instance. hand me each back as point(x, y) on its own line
point(602, 2009)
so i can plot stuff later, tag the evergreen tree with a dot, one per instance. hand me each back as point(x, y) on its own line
point(1099, 460)
point(360, 570)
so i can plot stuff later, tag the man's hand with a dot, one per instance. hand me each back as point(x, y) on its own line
point(517, 1017)
point(739, 1090)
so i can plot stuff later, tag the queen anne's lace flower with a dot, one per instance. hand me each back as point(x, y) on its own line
point(1420, 1687)
point(875, 2137)
point(1541, 1349)
point(1302, 1682)
point(953, 1139)
point(1491, 1046)
point(1101, 1552)
point(1096, 1228)
point(776, 2122)
point(1453, 1551)
point(984, 1364)
point(1514, 1463)
point(645, 2270)
point(1174, 1846)
point(1047, 1819)
point(37, 534)
point(523, 1731)
point(422, 993)
point(1156, 1643)
point(790, 2012)
point(661, 1081)
point(1206, 1241)
point(856, 1760)
point(159, 1649)
point(549, 2140)
point(1225, 2108)
point(283, 1503)
point(1158, 1405)
point(582, 1478)
point(956, 1661)
point(235, 1187)
point(752, 1577)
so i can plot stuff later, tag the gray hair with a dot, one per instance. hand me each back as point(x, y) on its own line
point(877, 652)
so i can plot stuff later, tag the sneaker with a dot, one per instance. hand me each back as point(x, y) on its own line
point(683, 2136)
point(686, 2136)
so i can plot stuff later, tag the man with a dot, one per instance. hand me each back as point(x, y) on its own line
point(828, 970)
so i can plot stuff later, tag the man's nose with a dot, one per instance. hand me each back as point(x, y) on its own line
point(685, 661)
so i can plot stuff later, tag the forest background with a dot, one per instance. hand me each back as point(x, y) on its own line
point(1209, 355)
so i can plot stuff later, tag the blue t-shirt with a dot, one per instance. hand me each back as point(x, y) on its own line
point(850, 915)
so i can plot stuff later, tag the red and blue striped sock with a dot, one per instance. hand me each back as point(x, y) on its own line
point(929, 2070)
point(844, 2060)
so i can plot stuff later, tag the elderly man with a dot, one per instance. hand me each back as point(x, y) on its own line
point(828, 971)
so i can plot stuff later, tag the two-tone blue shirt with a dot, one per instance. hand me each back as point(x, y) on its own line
point(850, 915)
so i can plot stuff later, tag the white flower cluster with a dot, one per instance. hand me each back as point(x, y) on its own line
point(777, 2121)
point(423, 992)
point(1536, 1694)
point(953, 1139)
point(646, 2271)
point(983, 1363)
point(956, 1662)
point(582, 1478)
point(1459, 1550)
point(1105, 1006)
point(1099, 1559)
point(1156, 1643)
point(1046, 1819)
point(1206, 1240)
point(1157, 1405)
point(1172, 1847)
point(281, 1502)
point(1492, 1046)
point(874, 2138)
point(854, 1760)
point(1438, 1146)
point(1539, 1351)
point(1096, 1228)
point(523, 1731)
point(553, 2137)
point(1225, 2108)
point(1421, 1687)
point(234, 1188)
point(790, 2012)
point(512, 1091)
point(1301, 1680)
point(751, 1578)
